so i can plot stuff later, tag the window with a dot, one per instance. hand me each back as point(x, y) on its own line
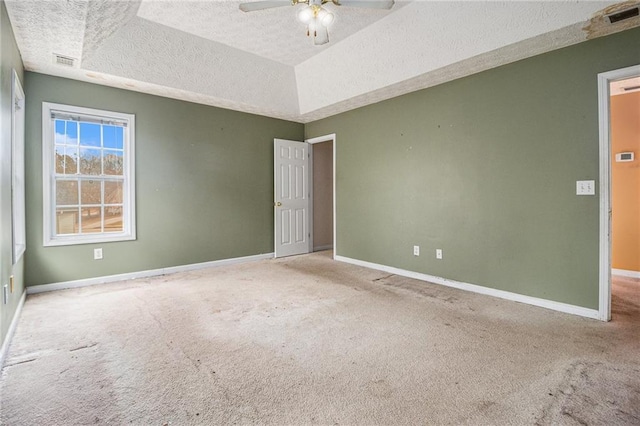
point(17, 170)
point(88, 172)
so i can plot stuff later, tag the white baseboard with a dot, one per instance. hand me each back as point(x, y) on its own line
point(323, 248)
point(543, 303)
point(145, 274)
point(625, 273)
point(12, 329)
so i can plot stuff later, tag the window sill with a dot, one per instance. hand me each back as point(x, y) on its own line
point(75, 240)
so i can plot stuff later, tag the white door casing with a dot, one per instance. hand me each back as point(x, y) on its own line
point(291, 193)
point(604, 305)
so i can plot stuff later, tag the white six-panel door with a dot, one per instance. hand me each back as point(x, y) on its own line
point(291, 204)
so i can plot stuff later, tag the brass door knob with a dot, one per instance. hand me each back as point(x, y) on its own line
point(278, 204)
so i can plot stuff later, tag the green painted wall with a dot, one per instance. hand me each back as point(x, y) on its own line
point(9, 60)
point(485, 168)
point(204, 183)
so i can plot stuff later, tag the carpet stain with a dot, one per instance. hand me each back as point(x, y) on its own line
point(602, 392)
point(485, 405)
point(313, 341)
point(383, 278)
point(20, 362)
point(380, 388)
point(83, 347)
point(417, 287)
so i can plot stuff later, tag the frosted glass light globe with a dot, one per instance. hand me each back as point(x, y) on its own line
point(305, 15)
point(326, 18)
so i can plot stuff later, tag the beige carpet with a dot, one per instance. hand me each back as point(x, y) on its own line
point(306, 340)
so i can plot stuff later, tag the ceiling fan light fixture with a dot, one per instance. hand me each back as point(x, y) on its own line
point(305, 15)
point(325, 17)
point(313, 15)
point(312, 26)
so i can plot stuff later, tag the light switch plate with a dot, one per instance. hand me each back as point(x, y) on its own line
point(586, 187)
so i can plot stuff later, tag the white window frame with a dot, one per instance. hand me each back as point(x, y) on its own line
point(48, 175)
point(18, 212)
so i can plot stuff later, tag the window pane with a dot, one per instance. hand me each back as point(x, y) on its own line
point(119, 138)
point(67, 221)
point(90, 161)
point(66, 164)
point(91, 220)
point(60, 159)
point(72, 133)
point(112, 137)
point(66, 192)
point(71, 160)
point(113, 219)
point(113, 192)
point(90, 192)
point(60, 131)
point(89, 134)
point(113, 162)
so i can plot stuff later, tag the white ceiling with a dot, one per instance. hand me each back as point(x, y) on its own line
point(208, 51)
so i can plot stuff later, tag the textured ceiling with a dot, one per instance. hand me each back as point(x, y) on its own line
point(274, 34)
point(262, 62)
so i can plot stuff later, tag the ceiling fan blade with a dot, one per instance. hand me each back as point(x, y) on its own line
point(321, 35)
point(261, 5)
point(369, 4)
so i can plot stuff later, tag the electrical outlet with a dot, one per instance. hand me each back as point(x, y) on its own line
point(97, 254)
point(416, 250)
point(438, 253)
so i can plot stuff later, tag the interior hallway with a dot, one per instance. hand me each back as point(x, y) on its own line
point(306, 340)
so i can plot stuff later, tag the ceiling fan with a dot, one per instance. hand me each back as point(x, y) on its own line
point(316, 17)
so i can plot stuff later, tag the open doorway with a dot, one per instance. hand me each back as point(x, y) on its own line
point(322, 196)
point(624, 122)
point(323, 192)
point(619, 117)
point(304, 196)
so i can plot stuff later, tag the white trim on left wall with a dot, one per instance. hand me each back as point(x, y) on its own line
point(12, 329)
point(145, 274)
